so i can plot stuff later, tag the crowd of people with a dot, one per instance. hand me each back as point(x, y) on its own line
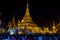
point(15, 31)
point(29, 37)
point(15, 34)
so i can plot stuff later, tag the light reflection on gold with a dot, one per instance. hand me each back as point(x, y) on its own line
point(18, 23)
point(3, 30)
point(22, 20)
point(31, 25)
point(19, 33)
point(50, 32)
point(10, 24)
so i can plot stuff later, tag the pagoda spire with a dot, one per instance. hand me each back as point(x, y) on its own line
point(53, 24)
point(27, 18)
point(10, 24)
point(18, 23)
point(13, 20)
point(54, 28)
point(27, 10)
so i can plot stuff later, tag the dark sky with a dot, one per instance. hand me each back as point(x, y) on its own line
point(42, 12)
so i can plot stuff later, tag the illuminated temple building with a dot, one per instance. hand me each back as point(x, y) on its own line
point(28, 23)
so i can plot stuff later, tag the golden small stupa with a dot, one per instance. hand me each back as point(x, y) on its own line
point(54, 28)
point(11, 23)
point(58, 26)
point(27, 21)
point(18, 23)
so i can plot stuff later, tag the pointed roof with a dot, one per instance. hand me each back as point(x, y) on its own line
point(13, 20)
point(27, 18)
point(53, 25)
point(10, 24)
point(27, 14)
point(18, 22)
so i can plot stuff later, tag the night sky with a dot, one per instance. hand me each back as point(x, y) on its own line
point(42, 12)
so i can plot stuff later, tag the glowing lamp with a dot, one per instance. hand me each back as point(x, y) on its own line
point(50, 32)
point(53, 27)
point(19, 33)
point(11, 33)
point(22, 20)
point(41, 31)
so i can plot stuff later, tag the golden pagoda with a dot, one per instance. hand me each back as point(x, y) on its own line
point(18, 23)
point(58, 26)
point(13, 21)
point(46, 30)
point(54, 28)
point(28, 23)
point(9, 24)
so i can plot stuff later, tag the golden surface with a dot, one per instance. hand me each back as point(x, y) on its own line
point(30, 25)
point(27, 21)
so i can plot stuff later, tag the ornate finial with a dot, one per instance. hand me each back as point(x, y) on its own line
point(27, 9)
point(53, 24)
point(27, 5)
